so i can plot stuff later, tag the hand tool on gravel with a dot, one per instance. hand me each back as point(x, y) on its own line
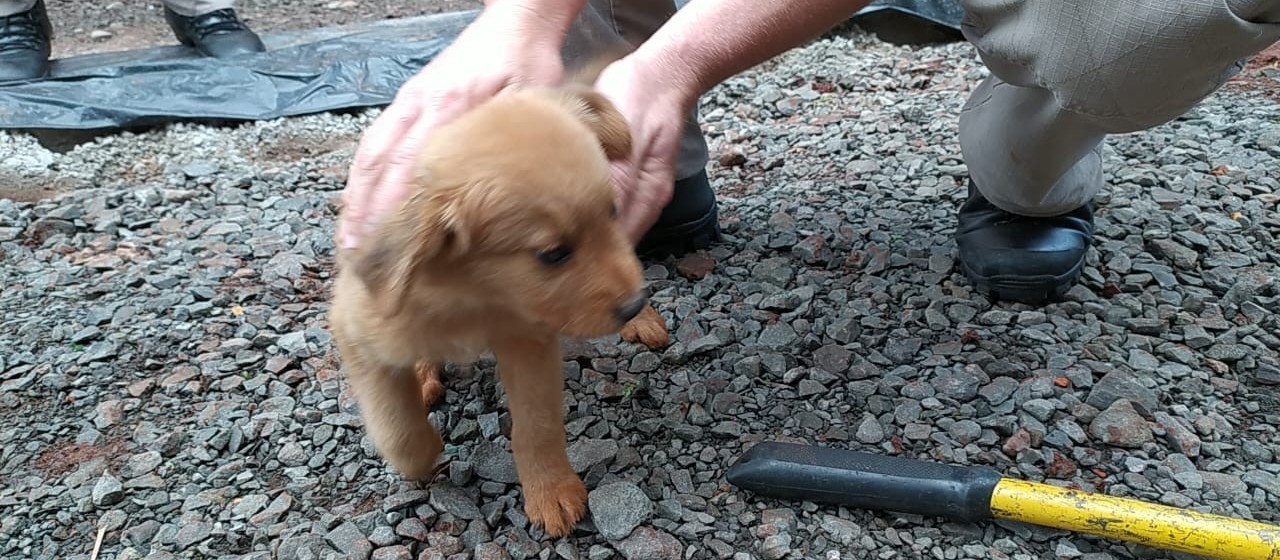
point(879, 482)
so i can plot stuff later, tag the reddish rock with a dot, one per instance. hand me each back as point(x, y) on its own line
point(1061, 466)
point(1121, 425)
point(696, 265)
point(1018, 442)
point(732, 159)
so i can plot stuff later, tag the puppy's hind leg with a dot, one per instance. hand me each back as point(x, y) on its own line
point(391, 404)
point(647, 328)
point(531, 375)
point(429, 380)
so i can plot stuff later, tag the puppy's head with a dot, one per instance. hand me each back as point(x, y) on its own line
point(513, 208)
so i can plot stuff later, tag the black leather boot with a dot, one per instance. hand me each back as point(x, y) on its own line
point(24, 44)
point(218, 34)
point(689, 222)
point(1020, 258)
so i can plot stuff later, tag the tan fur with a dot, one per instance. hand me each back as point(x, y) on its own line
point(456, 272)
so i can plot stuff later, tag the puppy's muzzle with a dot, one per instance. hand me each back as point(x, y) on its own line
point(631, 307)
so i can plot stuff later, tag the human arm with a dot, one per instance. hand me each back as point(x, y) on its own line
point(708, 41)
point(704, 43)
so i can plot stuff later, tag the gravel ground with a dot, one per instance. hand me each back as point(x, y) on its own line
point(168, 379)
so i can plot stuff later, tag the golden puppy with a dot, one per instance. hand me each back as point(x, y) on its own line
point(507, 242)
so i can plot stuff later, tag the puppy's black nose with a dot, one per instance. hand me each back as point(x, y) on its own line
point(630, 308)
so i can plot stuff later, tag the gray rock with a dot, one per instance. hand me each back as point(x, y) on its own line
point(492, 462)
point(778, 336)
point(1040, 409)
point(776, 547)
point(1121, 425)
point(1268, 481)
point(646, 543)
point(1176, 253)
point(618, 508)
point(107, 491)
point(965, 431)
point(395, 552)
point(902, 350)
point(491, 551)
point(452, 500)
point(406, 499)
point(870, 430)
point(1120, 384)
point(1180, 437)
point(348, 539)
point(200, 168)
point(832, 358)
point(776, 270)
point(587, 453)
point(141, 463)
point(189, 534)
point(1227, 486)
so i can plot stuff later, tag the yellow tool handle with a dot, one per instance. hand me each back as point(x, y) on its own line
point(1208, 535)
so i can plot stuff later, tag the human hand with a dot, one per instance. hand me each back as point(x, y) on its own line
point(507, 46)
point(655, 109)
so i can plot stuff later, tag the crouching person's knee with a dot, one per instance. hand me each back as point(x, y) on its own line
point(1127, 65)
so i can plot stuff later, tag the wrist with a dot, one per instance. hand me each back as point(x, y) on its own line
point(664, 79)
point(538, 21)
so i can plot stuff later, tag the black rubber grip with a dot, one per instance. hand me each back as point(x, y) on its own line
point(866, 481)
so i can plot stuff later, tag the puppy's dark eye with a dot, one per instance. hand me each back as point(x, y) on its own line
point(555, 255)
point(613, 211)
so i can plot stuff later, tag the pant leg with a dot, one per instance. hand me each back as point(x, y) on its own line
point(191, 8)
point(1067, 73)
point(604, 23)
point(10, 7)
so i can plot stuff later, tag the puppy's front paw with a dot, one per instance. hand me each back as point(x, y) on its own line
point(415, 455)
point(647, 328)
point(556, 506)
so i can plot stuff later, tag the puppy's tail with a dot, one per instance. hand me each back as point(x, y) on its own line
point(589, 70)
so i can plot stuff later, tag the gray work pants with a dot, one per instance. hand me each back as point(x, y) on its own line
point(182, 7)
point(628, 23)
point(1064, 74)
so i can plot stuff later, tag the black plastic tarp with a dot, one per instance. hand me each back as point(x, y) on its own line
point(302, 72)
point(913, 21)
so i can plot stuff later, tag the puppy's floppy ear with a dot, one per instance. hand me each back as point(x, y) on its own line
point(602, 117)
point(425, 227)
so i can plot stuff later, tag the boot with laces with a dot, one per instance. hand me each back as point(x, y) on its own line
point(24, 44)
point(218, 34)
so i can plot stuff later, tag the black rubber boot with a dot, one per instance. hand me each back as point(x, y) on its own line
point(24, 44)
point(688, 223)
point(217, 34)
point(1011, 257)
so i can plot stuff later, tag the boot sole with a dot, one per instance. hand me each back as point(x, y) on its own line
point(1023, 289)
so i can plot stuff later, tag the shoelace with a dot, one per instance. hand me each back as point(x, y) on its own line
point(20, 32)
point(217, 21)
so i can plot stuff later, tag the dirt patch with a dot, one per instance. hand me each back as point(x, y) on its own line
point(1261, 74)
point(1268, 58)
point(290, 148)
point(62, 458)
point(86, 26)
point(32, 189)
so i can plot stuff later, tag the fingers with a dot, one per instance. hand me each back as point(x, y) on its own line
point(624, 183)
point(650, 195)
point(398, 168)
point(367, 167)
